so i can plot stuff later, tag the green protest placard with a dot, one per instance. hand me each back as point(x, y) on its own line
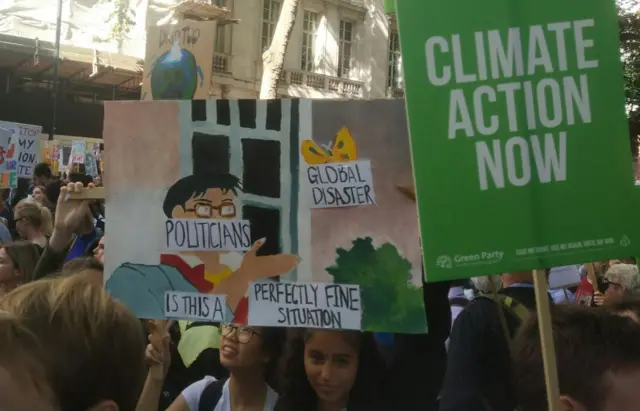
point(389, 6)
point(518, 132)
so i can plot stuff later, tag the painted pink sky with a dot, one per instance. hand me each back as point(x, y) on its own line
point(380, 130)
point(141, 139)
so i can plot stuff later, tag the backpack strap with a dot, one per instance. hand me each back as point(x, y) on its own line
point(211, 395)
point(513, 306)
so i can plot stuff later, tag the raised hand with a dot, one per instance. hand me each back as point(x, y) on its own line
point(158, 353)
point(72, 215)
point(598, 299)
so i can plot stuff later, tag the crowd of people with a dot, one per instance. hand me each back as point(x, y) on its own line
point(66, 345)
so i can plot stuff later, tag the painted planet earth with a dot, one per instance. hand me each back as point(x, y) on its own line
point(174, 75)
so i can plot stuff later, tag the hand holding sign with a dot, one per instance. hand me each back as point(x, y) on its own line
point(158, 353)
point(71, 213)
point(72, 216)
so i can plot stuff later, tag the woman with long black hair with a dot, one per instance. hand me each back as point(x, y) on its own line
point(334, 371)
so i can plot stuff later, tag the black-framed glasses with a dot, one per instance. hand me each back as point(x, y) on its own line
point(604, 284)
point(204, 210)
point(243, 334)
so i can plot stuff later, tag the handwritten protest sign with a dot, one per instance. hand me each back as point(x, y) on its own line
point(229, 206)
point(179, 61)
point(78, 149)
point(27, 155)
point(24, 147)
point(312, 305)
point(341, 184)
point(8, 178)
point(525, 102)
point(191, 234)
point(194, 306)
point(5, 139)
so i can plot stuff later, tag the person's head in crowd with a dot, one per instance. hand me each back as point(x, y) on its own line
point(98, 251)
point(92, 349)
point(627, 307)
point(486, 283)
point(42, 174)
point(333, 370)
point(598, 360)
point(98, 181)
point(38, 194)
point(23, 383)
point(17, 263)
point(33, 221)
point(87, 266)
point(251, 352)
point(4, 197)
point(52, 192)
point(621, 280)
point(629, 260)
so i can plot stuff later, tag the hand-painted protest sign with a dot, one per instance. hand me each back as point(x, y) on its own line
point(190, 234)
point(78, 149)
point(515, 110)
point(90, 164)
point(5, 141)
point(24, 147)
point(308, 305)
point(340, 184)
point(178, 61)
point(221, 201)
point(8, 178)
point(195, 306)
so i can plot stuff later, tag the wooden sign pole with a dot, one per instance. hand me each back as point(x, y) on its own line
point(593, 278)
point(543, 308)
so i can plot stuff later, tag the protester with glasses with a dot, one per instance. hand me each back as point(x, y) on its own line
point(620, 281)
point(250, 354)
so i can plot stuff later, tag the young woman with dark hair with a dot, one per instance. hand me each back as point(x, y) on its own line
point(249, 353)
point(333, 371)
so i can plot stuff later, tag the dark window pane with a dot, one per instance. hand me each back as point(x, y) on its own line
point(247, 109)
point(198, 110)
point(210, 153)
point(265, 223)
point(223, 112)
point(261, 159)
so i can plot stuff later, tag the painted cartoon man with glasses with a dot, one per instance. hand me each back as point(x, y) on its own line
point(213, 195)
point(204, 195)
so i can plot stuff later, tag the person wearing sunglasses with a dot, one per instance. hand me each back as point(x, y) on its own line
point(250, 354)
point(620, 281)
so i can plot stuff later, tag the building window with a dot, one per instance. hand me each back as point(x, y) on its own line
point(270, 15)
point(394, 77)
point(309, 30)
point(252, 140)
point(346, 48)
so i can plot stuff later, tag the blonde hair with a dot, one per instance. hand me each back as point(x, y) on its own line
point(483, 283)
point(38, 215)
point(92, 345)
point(18, 349)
